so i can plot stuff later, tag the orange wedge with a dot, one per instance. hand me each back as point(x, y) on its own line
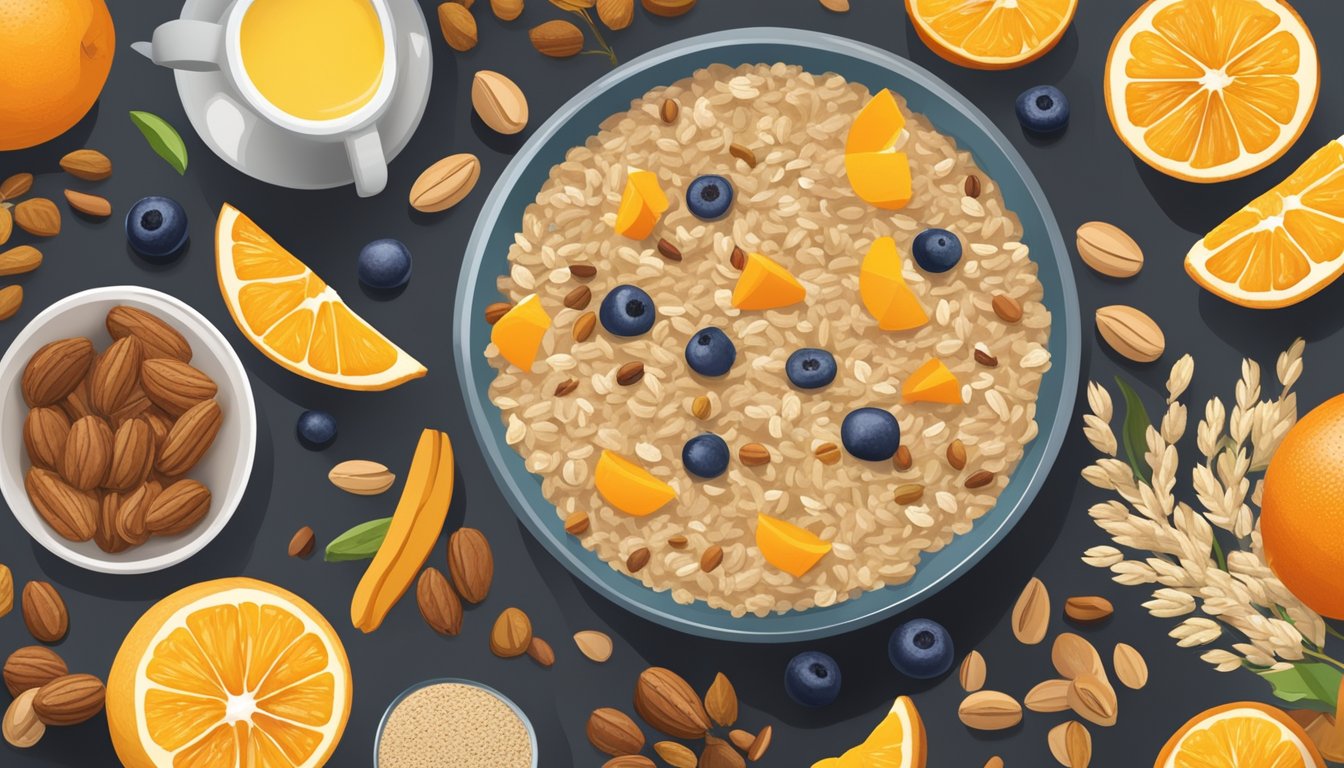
point(642, 203)
point(1240, 735)
point(629, 487)
point(788, 547)
point(879, 175)
point(898, 741)
point(932, 382)
point(231, 673)
point(519, 333)
point(883, 289)
point(764, 284)
point(1210, 90)
point(290, 314)
point(1283, 247)
point(991, 34)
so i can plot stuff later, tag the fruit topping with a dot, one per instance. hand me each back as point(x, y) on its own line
point(642, 203)
point(932, 383)
point(519, 332)
point(871, 434)
point(709, 197)
point(884, 291)
point(629, 487)
point(810, 368)
point(937, 250)
point(627, 311)
point(765, 284)
point(706, 456)
point(788, 547)
point(710, 352)
point(878, 173)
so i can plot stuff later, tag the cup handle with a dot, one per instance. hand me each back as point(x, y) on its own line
point(196, 46)
point(365, 150)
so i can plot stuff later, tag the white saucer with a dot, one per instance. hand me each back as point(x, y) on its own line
point(264, 151)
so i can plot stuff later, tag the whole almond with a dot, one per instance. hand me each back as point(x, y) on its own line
point(44, 434)
point(458, 26)
point(720, 754)
point(511, 634)
point(362, 478)
point(908, 493)
point(6, 590)
point(972, 672)
point(989, 711)
point(674, 754)
point(178, 508)
point(158, 337)
point(1048, 696)
point(541, 652)
point(69, 700)
point(584, 326)
point(11, 301)
point(903, 459)
point(638, 559)
point(301, 544)
point(1130, 667)
point(131, 513)
point(579, 298)
point(1107, 249)
point(499, 102)
point(115, 374)
point(668, 703)
point(761, 744)
point(616, 14)
point(668, 112)
point(15, 186)
point(445, 183)
point(438, 603)
point(72, 513)
point(827, 453)
point(630, 373)
point(87, 164)
point(1077, 744)
point(1088, 608)
point(956, 455)
point(583, 271)
point(557, 39)
point(471, 563)
point(20, 260)
point(90, 205)
point(669, 8)
point(38, 217)
point(1056, 741)
point(191, 436)
point(721, 701)
point(1007, 308)
point(32, 666)
point(55, 370)
point(712, 558)
point(594, 645)
point(613, 732)
point(6, 224)
point(21, 727)
point(44, 612)
point(88, 453)
point(506, 10)
point(1031, 614)
point(175, 386)
point(577, 523)
point(754, 455)
point(496, 311)
point(1073, 655)
point(106, 534)
point(629, 761)
point(1131, 333)
point(1093, 699)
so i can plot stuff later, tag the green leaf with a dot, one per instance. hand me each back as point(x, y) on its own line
point(358, 543)
point(162, 138)
point(1134, 432)
point(1309, 683)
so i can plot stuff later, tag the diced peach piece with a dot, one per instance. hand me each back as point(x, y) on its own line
point(629, 487)
point(519, 332)
point(932, 383)
point(642, 204)
point(878, 173)
point(877, 125)
point(884, 291)
point(788, 547)
point(765, 284)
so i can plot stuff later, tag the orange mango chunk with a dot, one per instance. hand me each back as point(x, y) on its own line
point(765, 284)
point(876, 126)
point(878, 173)
point(884, 291)
point(519, 332)
point(932, 383)
point(788, 547)
point(642, 203)
point(629, 487)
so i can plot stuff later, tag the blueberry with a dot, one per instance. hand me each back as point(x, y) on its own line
point(385, 264)
point(871, 434)
point(316, 430)
point(709, 197)
point(156, 228)
point(812, 679)
point(710, 352)
point(937, 250)
point(705, 456)
point(921, 649)
point(1043, 109)
point(627, 311)
point(811, 368)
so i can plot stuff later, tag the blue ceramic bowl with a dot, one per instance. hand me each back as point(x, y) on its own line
point(576, 121)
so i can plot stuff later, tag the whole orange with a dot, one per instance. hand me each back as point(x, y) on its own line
point(1302, 514)
point(54, 59)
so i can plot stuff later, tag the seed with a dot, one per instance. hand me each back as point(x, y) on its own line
point(302, 544)
point(754, 455)
point(738, 259)
point(994, 762)
point(1007, 308)
point(1088, 608)
point(541, 652)
point(712, 558)
point(583, 327)
point(758, 747)
point(980, 479)
point(909, 493)
point(16, 186)
point(741, 739)
point(1077, 744)
point(594, 645)
point(701, 407)
point(89, 205)
point(1073, 656)
point(579, 298)
point(1031, 613)
point(677, 541)
point(1048, 696)
point(638, 559)
point(956, 455)
point(668, 250)
point(903, 460)
point(583, 271)
point(566, 387)
point(972, 674)
point(989, 711)
point(670, 111)
point(577, 523)
point(497, 310)
point(984, 358)
point(630, 373)
point(972, 186)
point(1093, 699)
point(675, 755)
point(743, 154)
point(828, 453)
point(1130, 666)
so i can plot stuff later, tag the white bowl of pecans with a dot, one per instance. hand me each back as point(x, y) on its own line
point(127, 427)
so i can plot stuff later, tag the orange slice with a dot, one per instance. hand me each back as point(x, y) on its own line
point(629, 487)
point(1240, 735)
point(991, 34)
point(1210, 90)
point(884, 292)
point(518, 334)
point(642, 203)
point(1283, 247)
point(765, 284)
point(290, 314)
point(788, 547)
point(933, 382)
point(879, 175)
point(232, 673)
point(898, 741)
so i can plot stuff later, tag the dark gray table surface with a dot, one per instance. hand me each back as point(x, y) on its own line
point(1087, 175)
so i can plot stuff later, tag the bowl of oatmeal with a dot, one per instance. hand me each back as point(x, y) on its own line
point(768, 335)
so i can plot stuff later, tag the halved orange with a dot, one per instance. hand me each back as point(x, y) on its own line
point(232, 673)
point(1210, 90)
point(295, 319)
point(1240, 735)
point(1284, 246)
point(991, 34)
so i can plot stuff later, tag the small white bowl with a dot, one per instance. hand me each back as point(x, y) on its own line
point(224, 470)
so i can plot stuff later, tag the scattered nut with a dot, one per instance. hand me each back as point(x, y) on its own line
point(302, 543)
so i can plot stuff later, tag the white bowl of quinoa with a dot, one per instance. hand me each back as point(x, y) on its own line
point(450, 721)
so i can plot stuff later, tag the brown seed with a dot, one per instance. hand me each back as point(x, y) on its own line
point(712, 558)
point(616, 14)
point(577, 524)
point(994, 762)
point(32, 666)
point(668, 8)
point(743, 153)
point(721, 701)
point(89, 205)
point(828, 453)
point(759, 747)
point(972, 672)
point(979, 479)
point(505, 10)
point(1088, 608)
point(956, 454)
point(1031, 614)
point(584, 326)
point(557, 39)
point(160, 338)
point(972, 186)
point(511, 634)
point(6, 590)
point(1130, 667)
point(87, 164)
point(132, 455)
point(1048, 696)
point(38, 217)
point(677, 541)
point(668, 250)
point(45, 431)
point(583, 271)
point(676, 755)
point(638, 559)
point(738, 258)
point(720, 754)
point(178, 508)
point(1077, 744)
point(984, 358)
point(458, 26)
point(668, 703)
point(302, 543)
point(909, 493)
point(495, 311)
point(15, 186)
point(566, 387)
point(73, 514)
point(595, 646)
point(630, 373)
point(55, 370)
point(88, 453)
point(741, 739)
point(189, 438)
point(438, 603)
point(69, 700)
point(989, 711)
point(471, 563)
point(701, 407)
point(44, 612)
point(1007, 308)
point(1131, 333)
point(20, 260)
point(903, 460)
point(754, 455)
point(579, 297)
point(1093, 699)
point(541, 652)
point(669, 111)
point(613, 732)
point(115, 375)
point(446, 182)
point(6, 224)
point(1073, 656)
point(629, 761)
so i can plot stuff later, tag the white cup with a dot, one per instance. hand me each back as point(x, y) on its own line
point(202, 46)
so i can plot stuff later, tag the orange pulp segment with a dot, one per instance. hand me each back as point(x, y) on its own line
point(788, 547)
point(764, 284)
point(518, 334)
point(642, 203)
point(933, 382)
point(879, 174)
point(629, 487)
point(884, 291)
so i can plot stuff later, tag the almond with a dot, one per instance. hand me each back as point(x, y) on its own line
point(594, 645)
point(471, 564)
point(106, 536)
point(11, 301)
point(178, 508)
point(189, 439)
point(362, 478)
point(55, 370)
point(719, 754)
point(6, 590)
point(76, 404)
point(989, 711)
point(38, 217)
point(638, 559)
point(668, 112)
point(541, 652)
point(630, 373)
point(506, 10)
point(1131, 333)
point(499, 102)
point(1031, 614)
point(21, 727)
point(95, 206)
point(557, 39)
point(616, 14)
point(88, 453)
point(69, 700)
point(1088, 608)
point(669, 704)
point(131, 513)
point(1093, 699)
point(72, 513)
point(1055, 740)
point(160, 339)
point(1007, 308)
point(511, 634)
point(828, 453)
point(1107, 249)
point(20, 260)
point(841, 6)
point(721, 701)
point(629, 761)
point(132, 455)
point(956, 455)
point(613, 732)
point(438, 603)
point(1130, 667)
point(458, 26)
point(1072, 656)
point(584, 326)
point(1077, 744)
point(577, 523)
point(579, 298)
point(972, 673)
point(44, 434)
point(445, 183)
point(1048, 696)
point(668, 8)
point(115, 374)
point(175, 386)
point(44, 612)
point(6, 224)
point(16, 186)
point(32, 666)
point(674, 754)
point(301, 543)
point(87, 164)
point(761, 743)
point(754, 455)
